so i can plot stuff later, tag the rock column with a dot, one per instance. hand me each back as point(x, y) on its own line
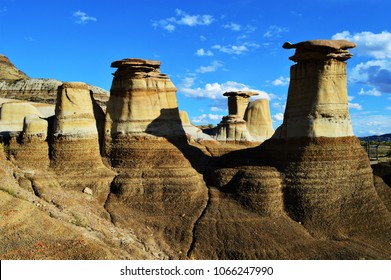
point(75, 154)
point(233, 127)
point(158, 191)
point(258, 120)
point(328, 179)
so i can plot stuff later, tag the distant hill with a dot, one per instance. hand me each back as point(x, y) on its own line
point(15, 84)
point(381, 138)
point(8, 71)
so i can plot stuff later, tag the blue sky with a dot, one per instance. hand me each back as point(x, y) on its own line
point(206, 47)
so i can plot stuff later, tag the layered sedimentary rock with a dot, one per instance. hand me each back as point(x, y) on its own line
point(15, 84)
point(75, 141)
point(329, 184)
point(233, 127)
point(317, 102)
point(158, 191)
point(320, 196)
point(42, 90)
point(12, 115)
point(8, 71)
point(258, 120)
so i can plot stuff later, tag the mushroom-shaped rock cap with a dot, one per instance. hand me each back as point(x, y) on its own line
point(240, 93)
point(320, 50)
point(135, 62)
point(74, 85)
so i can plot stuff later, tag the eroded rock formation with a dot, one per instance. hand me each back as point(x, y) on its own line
point(133, 184)
point(233, 127)
point(322, 188)
point(17, 85)
point(158, 188)
point(259, 120)
point(328, 177)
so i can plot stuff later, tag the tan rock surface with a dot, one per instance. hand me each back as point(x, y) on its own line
point(238, 102)
point(158, 192)
point(8, 71)
point(233, 128)
point(258, 120)
point(317, 104)
point(12, 115)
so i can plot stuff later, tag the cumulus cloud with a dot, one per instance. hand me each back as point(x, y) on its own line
point(281, 81)
point(372, 92)
point(364, 124)
point(369, 44)
point(375, 73)
point(275, 31)
point(233, 26)
point(202, 52)
point(210, 68)
point(278, 117)
point(355, 106)
point(216, 109)
point(236, 49)
point(206, 118)
point(82, 17)
point(215, 91)
point(183, 18)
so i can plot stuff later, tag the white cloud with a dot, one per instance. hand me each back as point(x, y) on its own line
point(388, 108)
point(350, 98)
point(236, 49)
point(369, 44)
point(206, 118)
point(281, 81)
point(203, 38)
point(375, 73)
point(372, 92)
point(202, 52)
point(210, 68)
point(275, 31)
point(354, 106)
point(364, 124)
point(233, 26)
point(188, 82)
point(215, 90)
point(192, 20)
point(278, 117)
point(183, 18)
point(82, 17)
point(216, 109)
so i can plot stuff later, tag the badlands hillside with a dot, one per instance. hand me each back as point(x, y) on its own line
point(132, 178)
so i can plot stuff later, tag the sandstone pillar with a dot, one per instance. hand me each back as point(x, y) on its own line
point(328, 178)
point(317, 102)
point(157, 187)
point(233, 127)
point(258, 120)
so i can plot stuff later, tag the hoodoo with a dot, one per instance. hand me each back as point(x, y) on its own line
point(233, 127)
point(157, 186)
point(328, 178)
point(258, 120)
